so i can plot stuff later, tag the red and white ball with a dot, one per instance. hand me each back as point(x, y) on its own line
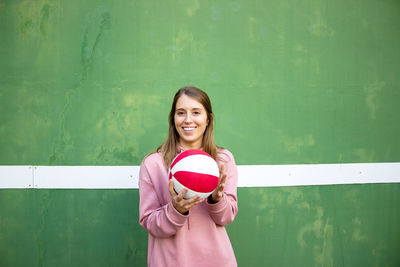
point(195, 170)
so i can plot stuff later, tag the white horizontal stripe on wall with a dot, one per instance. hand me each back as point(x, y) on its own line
point(318, 174)
point(114, 177)
point(16, 176)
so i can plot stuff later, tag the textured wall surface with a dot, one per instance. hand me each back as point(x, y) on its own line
point(291, 82)
point(91, 82)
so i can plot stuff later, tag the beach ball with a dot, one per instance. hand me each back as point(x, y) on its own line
point(195, 170)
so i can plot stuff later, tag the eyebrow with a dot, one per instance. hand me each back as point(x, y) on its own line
point(191, 109)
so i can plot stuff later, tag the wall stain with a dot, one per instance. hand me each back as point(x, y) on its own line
point(318, 234)
point(88, 52)
point(294, 195)
point(190, 11)
point(181, 42)
point(64, 141)
point(301, 55)
point(26, 25)
point(26, 18)
point(31, 25)
point(319, 27)
point(129, 252)
point(363, 155)
point(253, 34)
point(295, 144)
point(46, 199)
point(44, 18)
point(324, 254)
point(357, 236)
point(314, 227)
point(125, 154)
point(372, 92)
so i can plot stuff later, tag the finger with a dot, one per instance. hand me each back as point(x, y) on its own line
point(185, 204)
point(171, 188)
point(221, 187)
point(218, 194)
point(182, 194)
point(222, 175)
point(222, 179)
point(193, 202)
point(222, 169)
point(193, 199)
point(219, 191)
point(221, 183)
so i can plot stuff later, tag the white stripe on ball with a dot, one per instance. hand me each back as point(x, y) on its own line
point(197, 163)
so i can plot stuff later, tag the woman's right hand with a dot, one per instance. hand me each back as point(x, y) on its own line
point(181, 204)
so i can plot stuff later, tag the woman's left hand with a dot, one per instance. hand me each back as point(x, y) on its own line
point(216, 196)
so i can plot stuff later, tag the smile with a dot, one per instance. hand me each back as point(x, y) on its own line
point(189, 128)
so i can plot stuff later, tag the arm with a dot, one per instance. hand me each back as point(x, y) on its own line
point(160, 220)
point(225, 209)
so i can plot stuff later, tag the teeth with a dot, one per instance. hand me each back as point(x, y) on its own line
point(188, 129)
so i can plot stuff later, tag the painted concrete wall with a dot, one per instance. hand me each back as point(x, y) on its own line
point(91, 82)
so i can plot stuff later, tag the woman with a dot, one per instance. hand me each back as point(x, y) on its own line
point(187, 232)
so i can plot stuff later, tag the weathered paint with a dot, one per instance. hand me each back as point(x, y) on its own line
point(90, 83)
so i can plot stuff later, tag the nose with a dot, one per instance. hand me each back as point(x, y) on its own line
point(188, 118)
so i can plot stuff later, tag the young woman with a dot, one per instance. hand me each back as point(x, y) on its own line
point(187, 232)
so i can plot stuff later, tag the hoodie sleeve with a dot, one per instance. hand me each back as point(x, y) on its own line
point(224, 211)
point(159, 219)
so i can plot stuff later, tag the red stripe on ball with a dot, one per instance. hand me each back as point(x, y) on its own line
point(199, 182)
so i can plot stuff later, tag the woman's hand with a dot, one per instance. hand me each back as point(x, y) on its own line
point(216, 196)
point(181, 204)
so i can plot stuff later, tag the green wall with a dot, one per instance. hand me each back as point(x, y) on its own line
point(339, 225)
point(91, 82)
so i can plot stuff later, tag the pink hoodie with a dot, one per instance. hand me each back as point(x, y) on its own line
point(196, 239)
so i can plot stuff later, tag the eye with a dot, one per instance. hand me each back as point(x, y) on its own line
point(180, 113)
point(196, 113)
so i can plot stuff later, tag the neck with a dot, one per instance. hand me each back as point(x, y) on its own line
point(191, 146)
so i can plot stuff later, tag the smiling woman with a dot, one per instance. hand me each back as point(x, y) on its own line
point(191, 121)
point(166, 215)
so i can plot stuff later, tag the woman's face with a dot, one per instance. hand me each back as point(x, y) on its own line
point(190, 122)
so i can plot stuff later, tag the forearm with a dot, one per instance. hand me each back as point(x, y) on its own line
point(159, 218)
point(224, 211)
point(162, 222)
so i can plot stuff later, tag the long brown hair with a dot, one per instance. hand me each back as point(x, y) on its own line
point(169, 149)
